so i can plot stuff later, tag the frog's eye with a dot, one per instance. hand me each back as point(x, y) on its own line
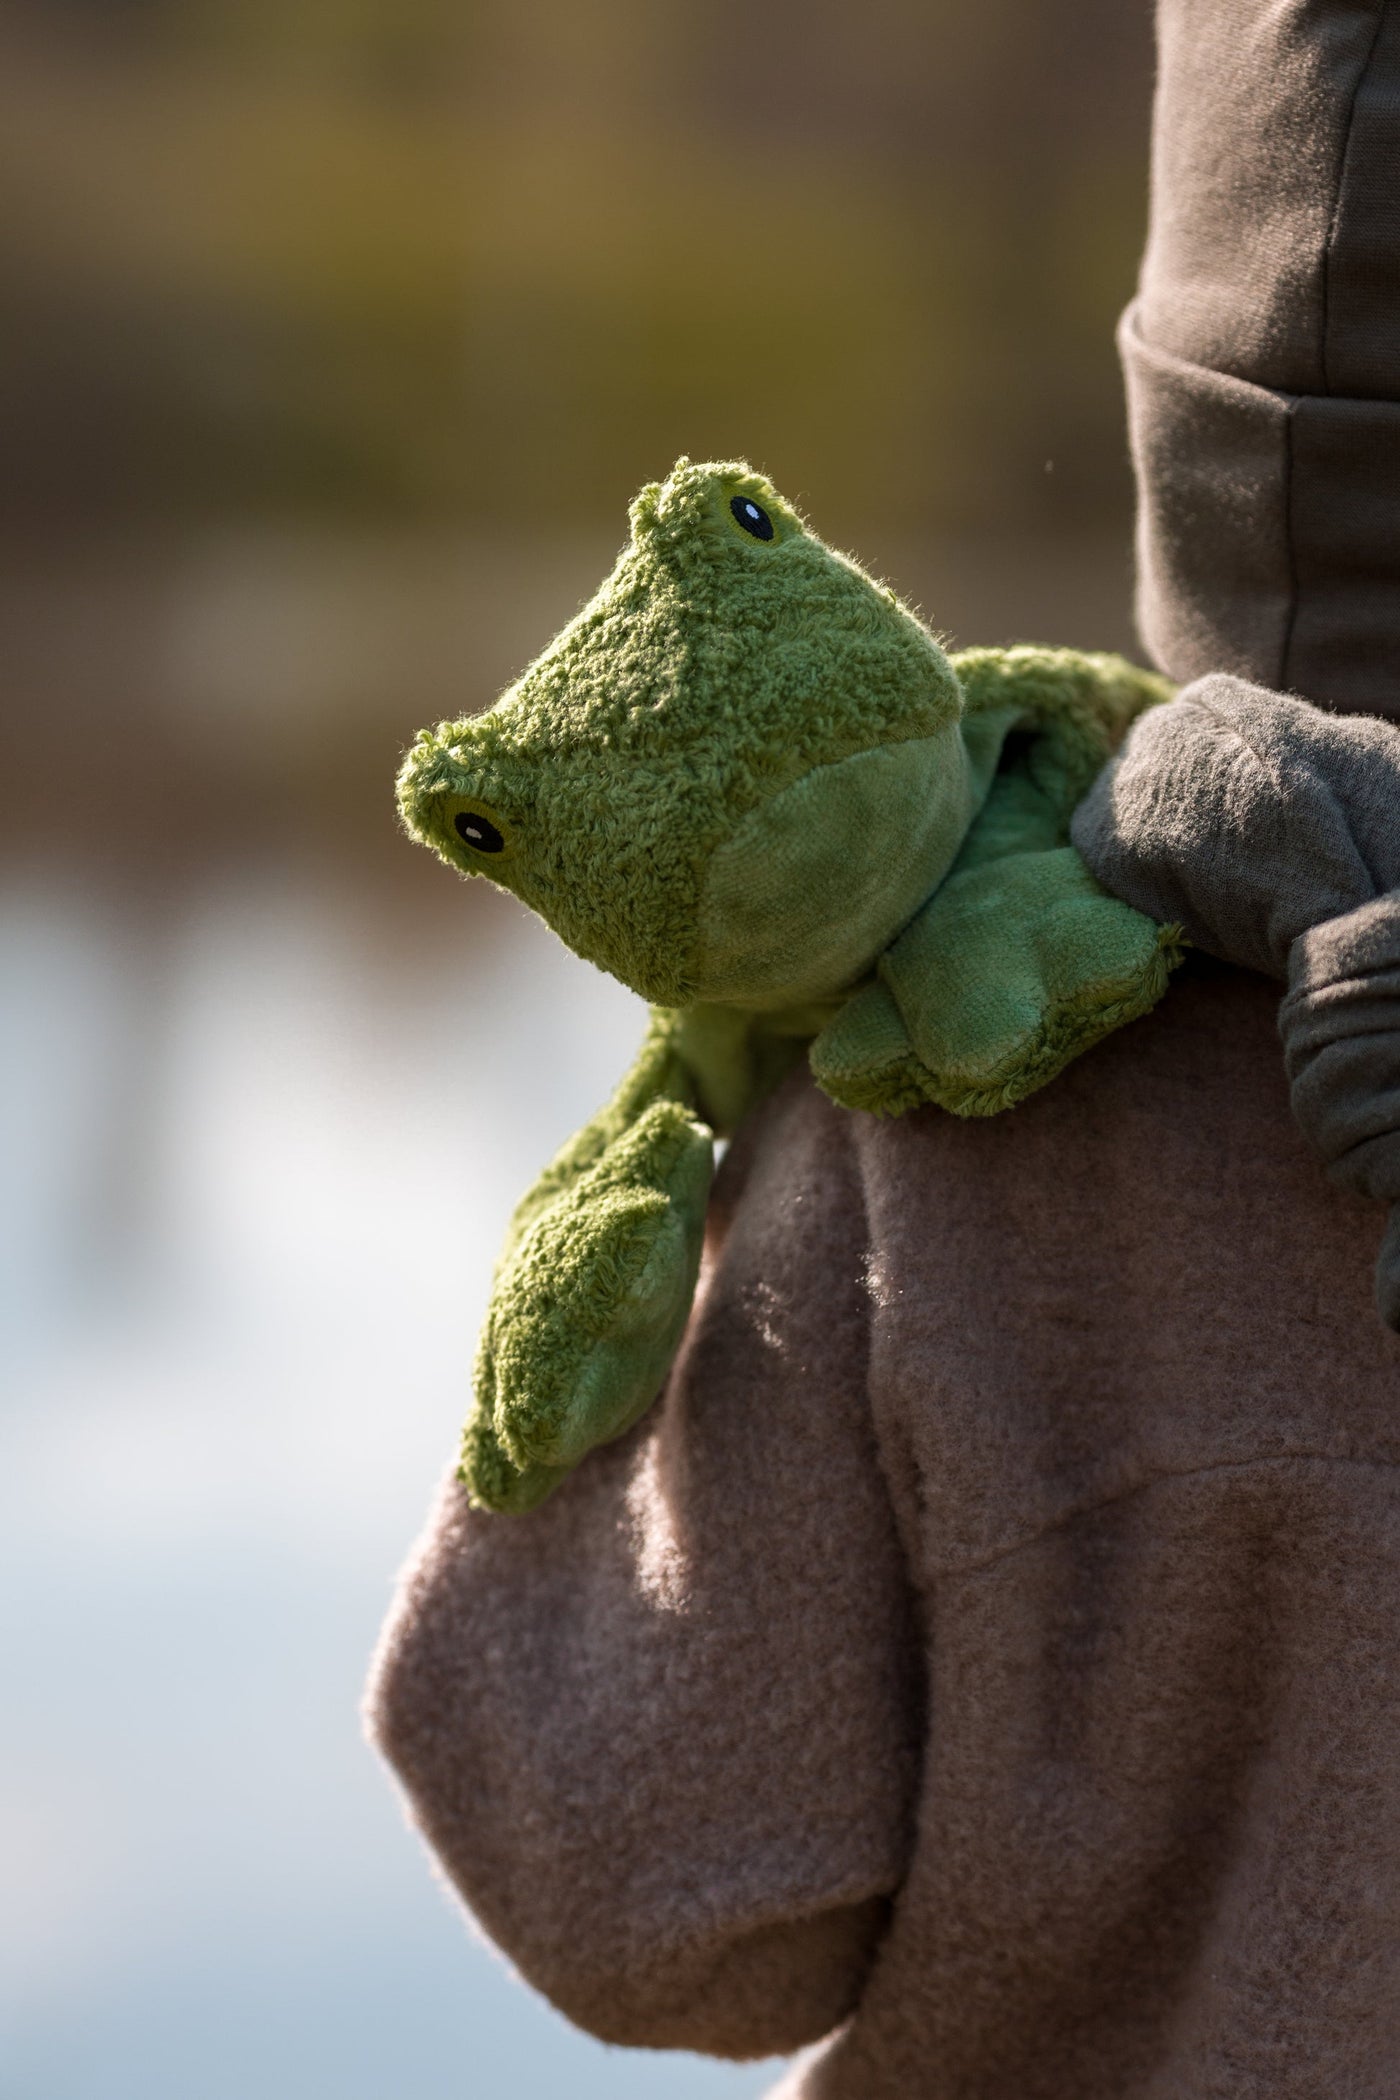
point(752, 516)
point(478, 831)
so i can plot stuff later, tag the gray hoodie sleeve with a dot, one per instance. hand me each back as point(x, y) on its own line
point(1262, 361)
point(1271, 832)
point(1248, 817)
point(1341, 1032)
point(1262, 354)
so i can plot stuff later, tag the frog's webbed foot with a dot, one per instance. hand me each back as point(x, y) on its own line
point(1013, 968)
point(587, 1310)
point(865, 1058)
point(493, 1479)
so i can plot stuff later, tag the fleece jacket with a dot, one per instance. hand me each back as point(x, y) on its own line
point(981, 1664)
point(1270, 831)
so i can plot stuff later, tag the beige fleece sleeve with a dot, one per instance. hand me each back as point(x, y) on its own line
point(663, 1732)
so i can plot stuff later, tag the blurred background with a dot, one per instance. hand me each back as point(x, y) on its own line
point(336, 336)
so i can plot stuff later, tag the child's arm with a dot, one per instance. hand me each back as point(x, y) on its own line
point(1271, 831)
point(1248, 816)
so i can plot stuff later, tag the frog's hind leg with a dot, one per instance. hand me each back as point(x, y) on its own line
point(594, 1286)
point(656, 1073)
point(588, 1314)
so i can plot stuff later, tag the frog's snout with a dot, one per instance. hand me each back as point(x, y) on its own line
point(451, 804)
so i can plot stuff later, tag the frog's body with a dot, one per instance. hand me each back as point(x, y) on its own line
point(750, 783)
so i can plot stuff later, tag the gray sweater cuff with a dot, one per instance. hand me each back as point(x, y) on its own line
point(1340, 1025)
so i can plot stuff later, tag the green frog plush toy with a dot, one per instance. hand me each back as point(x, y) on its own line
point(748, 781)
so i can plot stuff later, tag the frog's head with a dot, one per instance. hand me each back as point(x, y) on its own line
point(735, 774)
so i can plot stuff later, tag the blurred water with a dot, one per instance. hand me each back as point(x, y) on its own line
point(254, 1174)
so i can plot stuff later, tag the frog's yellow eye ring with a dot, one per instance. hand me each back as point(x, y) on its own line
point(751, 517)
point(476, 825)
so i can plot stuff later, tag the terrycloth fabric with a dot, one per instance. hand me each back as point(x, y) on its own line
point(744, 768)
point(738, 780)
point(1262, 355)
point(712, 672)
point(1271, 831)
point(990, 1639)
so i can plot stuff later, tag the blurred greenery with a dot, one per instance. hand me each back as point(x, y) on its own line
point(436, 261)
point(336, 335)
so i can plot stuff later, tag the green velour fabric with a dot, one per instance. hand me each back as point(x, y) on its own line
point(748, 781)
point(811, 842)
point(1013, 968)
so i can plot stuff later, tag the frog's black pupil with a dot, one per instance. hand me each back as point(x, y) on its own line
point(478, 831)
point(752, 517)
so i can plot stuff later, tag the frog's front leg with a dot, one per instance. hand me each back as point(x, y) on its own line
point(593, 1288)
point(1013, 968)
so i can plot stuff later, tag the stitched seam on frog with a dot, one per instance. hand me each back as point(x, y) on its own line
point(1167, 1476)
